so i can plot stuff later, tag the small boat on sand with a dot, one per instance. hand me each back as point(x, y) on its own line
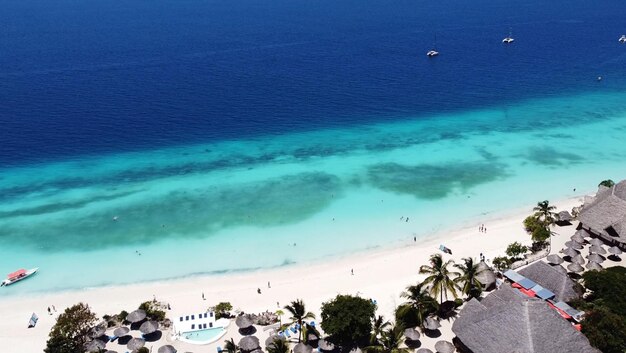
point(18, 276)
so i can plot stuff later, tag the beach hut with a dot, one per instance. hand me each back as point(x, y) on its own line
point(136, 316)
point(486, 276)
point(423, 350)
point(554, 259)
point(302, 348)
point(167, 349)
point(570, 252)
point(135, 343)
point(593, 266)
point(563, 218)
point(431, 323)
point(596, 241)
point(574, 245)
point(595, 258)
point(578, 259)
point(94, 346)
point(149, 327)
point(249, 343)
point(121, 331)
point(411, 334)
point(597, 249)
point(325, 345)
point(444, 347)
point(244, 321)
point(574, 267)
point(615, 250)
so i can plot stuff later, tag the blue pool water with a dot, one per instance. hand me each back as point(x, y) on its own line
point(224, 133)
point(206, 335)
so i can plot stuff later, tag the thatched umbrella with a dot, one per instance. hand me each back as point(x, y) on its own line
point(583, 233)
point(167, 349)
point(593, 266)
point(482, 266)
point(325, 345)
point(110, 351)
point(423, 350)
point(615, 250)
point(554, 259)
point(578, 238)
point(121, 331)
point(487, 278)
point(273, 338)
point(97, 331)
point(444, 347)
point(312, 337)
point(570, 252)
point(249, 343)
point(573, 245)
point(574, 267)
point(258, 350)
point(431, 323)
point(302, 348)
point(411, 334)
point(94, 346)
point(244, 321)
point(596, 241)
point(578, 259)
point(136, 316)
point(135, 343)
point(595, 258)
point(149, 327)
point(597, 249)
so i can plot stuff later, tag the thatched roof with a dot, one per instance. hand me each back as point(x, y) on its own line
point(607, 210)
point(486, 277)
point(574, 245)
point(575, 267)
point(596, 241)
point(94, 346)
point(554, 259)
point(423, 350)
point(167, 349)
point(516, 323)
point(564, 216)
point(249, 343)
point(578, 238)
point(570, 252)
point(135, 343)
point(444, 347)
point(411, 334)
point(431, 323)
point(302, 348)
point(596, 258)
point(244, 321)
point(121, 331)
point(578, 259)
point(597, 249)
point(149, 327)
point(551, 278)
point(615, 250)
point(273, 338)
point(593, 266)
point(136, 316)
point(482, 266)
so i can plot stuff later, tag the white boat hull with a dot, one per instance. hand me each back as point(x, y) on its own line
point(8, 282)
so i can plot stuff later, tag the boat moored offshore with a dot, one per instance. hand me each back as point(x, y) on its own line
point(18, 276)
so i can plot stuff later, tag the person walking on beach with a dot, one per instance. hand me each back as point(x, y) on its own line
point(258, 290)
point(49, 312)
point(54, 309)
point(352, 271)
point(203, 298)
point(268, 284)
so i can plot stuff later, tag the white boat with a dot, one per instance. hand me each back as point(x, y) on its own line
point(18, 276)
point(432, 53)
point(622, 39)
point(509, 39)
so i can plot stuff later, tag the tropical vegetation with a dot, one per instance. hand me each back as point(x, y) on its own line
point(298, 315)
point(347, 320)
point(378, 325)
point(278, 346)
point(418, 305)
point(69, 333)
point(222, 309)
point(440, 278)
point(390, 341)
point(608, 183)
point(230, 346)
point(466, 280)
point(515, 250)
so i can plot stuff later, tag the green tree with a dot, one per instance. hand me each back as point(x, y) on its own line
point(153, 312)
point(143, 350)
point(278, 346)
point(608, 288)
point(418, 305)
point(222, 309)
point(298, 314)
point(514, 250)
point(545, 212)
point(230, 346)
point(280, 314)
point(608, 183)
point(378, 325)
point(440, 278)
point(539, 232)
point(605, 330)
point(69, 333)
point(348, 321)
point(501, 262)
point(467, 281)
point(389, 342)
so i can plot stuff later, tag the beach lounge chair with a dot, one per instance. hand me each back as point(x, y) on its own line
point(293, 329)
point(312, 323)
point(219, 349)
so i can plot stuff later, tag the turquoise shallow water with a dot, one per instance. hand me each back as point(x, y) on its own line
point(241, 205)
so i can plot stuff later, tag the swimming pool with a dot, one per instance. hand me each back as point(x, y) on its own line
point(205, 336)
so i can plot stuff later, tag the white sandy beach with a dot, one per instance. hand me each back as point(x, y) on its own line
point(378, 274)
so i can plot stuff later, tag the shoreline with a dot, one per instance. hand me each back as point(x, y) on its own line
point(379, 273)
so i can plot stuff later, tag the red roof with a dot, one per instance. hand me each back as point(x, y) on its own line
point(17, 273)
point(528, 292)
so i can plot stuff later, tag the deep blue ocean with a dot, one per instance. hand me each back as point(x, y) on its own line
point(101, 76)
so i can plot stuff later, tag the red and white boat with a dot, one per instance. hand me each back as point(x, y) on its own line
point(18, 276)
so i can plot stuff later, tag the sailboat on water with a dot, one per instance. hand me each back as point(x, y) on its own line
point(433, 52)
point(509, 39)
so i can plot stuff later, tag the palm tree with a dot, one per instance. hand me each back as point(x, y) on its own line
point(467, 280)
point(280, 314)
point(298, 314)
point(545, 212)
point(278, 346)
point(230, 346)
point(378, 325)
point(418, 305)
point(439, 277)
point(389, 342)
